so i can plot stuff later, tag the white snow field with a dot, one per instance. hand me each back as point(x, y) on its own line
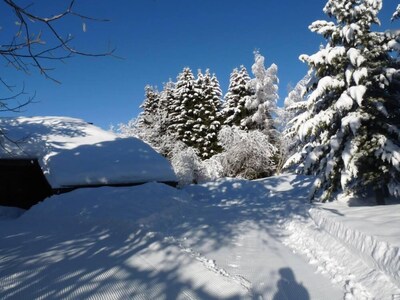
point(230, 239)
point(72, 152)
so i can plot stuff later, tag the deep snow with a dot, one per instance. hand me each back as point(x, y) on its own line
point(230, 239)
point(73, 152)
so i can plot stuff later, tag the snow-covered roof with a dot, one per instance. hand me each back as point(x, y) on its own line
point(72, 152)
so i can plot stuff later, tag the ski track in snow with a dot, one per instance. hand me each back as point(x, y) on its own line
point(341, 261)
point(209, 263)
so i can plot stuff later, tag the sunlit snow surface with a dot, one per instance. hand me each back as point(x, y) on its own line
point(230, 239)
point(73, 152)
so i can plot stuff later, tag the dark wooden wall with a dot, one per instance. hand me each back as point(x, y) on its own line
point(22, 183)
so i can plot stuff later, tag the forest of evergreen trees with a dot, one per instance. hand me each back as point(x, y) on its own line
point(340, 123)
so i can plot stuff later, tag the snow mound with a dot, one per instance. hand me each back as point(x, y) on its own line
point(9, 213)
point(363, 252)
point(127, 207)
point(72, 152)
point(378, 247)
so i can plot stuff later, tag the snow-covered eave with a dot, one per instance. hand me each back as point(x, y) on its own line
point(73, 153)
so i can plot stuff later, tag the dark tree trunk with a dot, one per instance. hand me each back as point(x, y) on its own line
point(380, 195)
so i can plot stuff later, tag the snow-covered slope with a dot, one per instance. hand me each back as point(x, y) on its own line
point(229, 239)
point(72, 152)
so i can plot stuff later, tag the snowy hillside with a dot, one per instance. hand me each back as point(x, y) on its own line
point(72, 152)
point(229, 239)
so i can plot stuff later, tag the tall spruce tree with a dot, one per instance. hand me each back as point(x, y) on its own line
point(350, 132)
point(210, 104)
point(195, 112)
point(262, 104)
point(234, 110)
point(182, 107)
point(150, 105)
point(147, 125)
point(295, 105)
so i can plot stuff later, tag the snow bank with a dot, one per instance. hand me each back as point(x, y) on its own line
point(72, 152)
point(143, 206)
point(365, 230)
point(7, 213)
point(355, 246)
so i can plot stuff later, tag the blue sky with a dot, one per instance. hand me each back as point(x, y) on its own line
point(158, 38)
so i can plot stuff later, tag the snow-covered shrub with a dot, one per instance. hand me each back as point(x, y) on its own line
point(129, 129)
point(186, 165)
point(189, 168)
point(211, 169)
point(247, 155)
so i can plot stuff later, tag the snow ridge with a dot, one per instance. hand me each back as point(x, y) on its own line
point(353, 260)
point(378, 254)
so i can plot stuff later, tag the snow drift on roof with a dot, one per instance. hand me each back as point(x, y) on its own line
point(73, 152)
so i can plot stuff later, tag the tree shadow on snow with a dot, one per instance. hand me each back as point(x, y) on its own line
point(96, 262)
point(225, 208)
point(73, 260)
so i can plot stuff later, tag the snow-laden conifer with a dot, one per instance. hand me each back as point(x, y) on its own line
point(396, 14)
point(234, 110)
point(351, 128)
point(150, 105)
point(262, 104)
point(152, 124)
point(182, 107)
point(144, 126)
point(294, 105)
point(210, 104)
point(195, 115)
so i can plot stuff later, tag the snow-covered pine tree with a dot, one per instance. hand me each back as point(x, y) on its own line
point(234, 110)
point(210, 104)
point(396, 14)
point(146, 124)
point(150, 105)
point(250, 140)
point(182, 105)
point(195, 116)
point(150, 124)
point(262, 104)
point(350, 133)
point(294, 105)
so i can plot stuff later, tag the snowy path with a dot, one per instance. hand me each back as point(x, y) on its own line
point(215, 241)
point(254, 249)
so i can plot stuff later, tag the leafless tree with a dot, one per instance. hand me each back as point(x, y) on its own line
point(35, 43)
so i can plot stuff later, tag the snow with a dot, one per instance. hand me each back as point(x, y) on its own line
point(365, 232)
point(357, 93)
point(355, 57)
point(345, 102)
point(359, 74)
point(227, 239)
point(73, 152)
point(10, 212)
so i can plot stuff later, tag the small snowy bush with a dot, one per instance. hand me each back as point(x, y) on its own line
point(248, 155)
point(186, 165)
point(189, 168)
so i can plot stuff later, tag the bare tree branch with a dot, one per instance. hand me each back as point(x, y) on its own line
point(28, 49)
point(35, 44)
